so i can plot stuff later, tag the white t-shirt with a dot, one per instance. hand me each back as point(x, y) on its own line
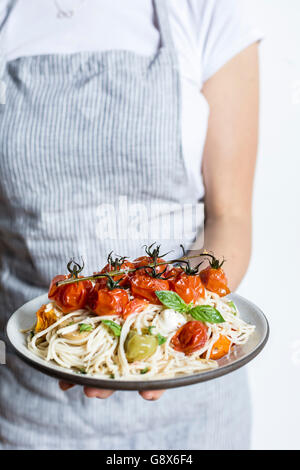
point(207, 34)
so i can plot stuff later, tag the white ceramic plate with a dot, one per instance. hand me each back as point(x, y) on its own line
point(25, 317)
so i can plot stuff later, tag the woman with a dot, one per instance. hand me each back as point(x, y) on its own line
point(106, 100)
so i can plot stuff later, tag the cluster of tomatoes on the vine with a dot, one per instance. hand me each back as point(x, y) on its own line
point(132, 291)
point(143, 277)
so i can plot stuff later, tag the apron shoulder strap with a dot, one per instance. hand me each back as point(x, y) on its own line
point(4, 13)
point(162, 15)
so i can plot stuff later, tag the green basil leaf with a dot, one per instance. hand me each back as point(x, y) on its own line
point(207, 314)
point(115, 328)
point(85, 327)
point(161, 339)
point(172, 300)
point(144, 371)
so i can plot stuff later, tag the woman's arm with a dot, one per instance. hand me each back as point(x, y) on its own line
point(229, 161)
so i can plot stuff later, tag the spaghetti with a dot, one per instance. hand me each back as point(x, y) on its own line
point(87, 343)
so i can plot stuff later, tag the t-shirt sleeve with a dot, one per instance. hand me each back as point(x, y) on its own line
point(228, 27)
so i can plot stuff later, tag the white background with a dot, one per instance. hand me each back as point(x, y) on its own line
point(273, 280)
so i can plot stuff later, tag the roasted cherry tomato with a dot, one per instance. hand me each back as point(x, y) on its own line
point(151, 258)
point(185, 280)
point(139, 347)
point(172, 274)
point(107, 301)
point(116, 264)
point(220, 348)
point(189, 288)
point(214, 278)
point(144, 286)
point(70, 297)
point(135, 306)
point(191, 337)
point(44, 319)
point(146, 260)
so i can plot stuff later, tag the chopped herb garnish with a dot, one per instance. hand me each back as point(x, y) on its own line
point(85, 327)
point(150, 328)
point(115, 328)
point(112, 376)
point(83, 371)
point(144, 371)
point(161, 339)
point(232, 305)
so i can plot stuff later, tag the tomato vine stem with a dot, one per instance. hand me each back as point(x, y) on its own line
point(118, 273)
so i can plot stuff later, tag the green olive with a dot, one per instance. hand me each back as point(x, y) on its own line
point(139, 347)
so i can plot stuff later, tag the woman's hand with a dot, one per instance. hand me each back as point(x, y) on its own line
point(150, 395)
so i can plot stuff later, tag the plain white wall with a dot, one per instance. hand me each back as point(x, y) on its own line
point(273, 280)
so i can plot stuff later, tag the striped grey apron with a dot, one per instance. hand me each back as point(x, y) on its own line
point(77, 134)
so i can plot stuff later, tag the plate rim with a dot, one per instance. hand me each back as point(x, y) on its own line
point(138, 385)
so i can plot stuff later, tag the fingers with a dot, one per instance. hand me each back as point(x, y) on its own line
point(89, 392)
point(65, 385)
point(97, 392)
point(151, 395)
